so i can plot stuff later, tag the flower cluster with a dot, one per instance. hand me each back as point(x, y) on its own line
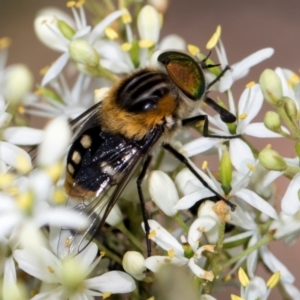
point(191, 227)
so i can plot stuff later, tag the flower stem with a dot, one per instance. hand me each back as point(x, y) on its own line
point(130, 236)
point(108, 253)
point(178, 219)
point(265, 240)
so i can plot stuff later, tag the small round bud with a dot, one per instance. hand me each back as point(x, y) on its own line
point(272, 160)
point(18, 82)
point(271, 87)
point(83, 53)
point(290, 108)
point(66, 30)
point(226, 171)
point(272, 121)
point(134, 264)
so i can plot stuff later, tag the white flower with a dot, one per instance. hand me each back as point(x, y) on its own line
point(238, 192)
point(176, 252)
point(241, 155)
point(71, 278)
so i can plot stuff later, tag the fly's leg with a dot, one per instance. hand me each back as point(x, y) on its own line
point(185, 161)
point(142, 202)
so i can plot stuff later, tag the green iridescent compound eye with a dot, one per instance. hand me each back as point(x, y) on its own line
point(186, 73)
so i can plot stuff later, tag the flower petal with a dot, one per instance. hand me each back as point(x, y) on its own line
point(115, 282)
point(257, 202)
point(290, 202)
point(23, 135)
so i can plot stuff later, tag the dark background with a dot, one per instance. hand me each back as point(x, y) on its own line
point(247, 26)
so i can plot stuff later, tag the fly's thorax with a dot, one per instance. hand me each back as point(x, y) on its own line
point(139, 103)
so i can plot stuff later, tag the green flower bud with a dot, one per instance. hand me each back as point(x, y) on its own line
point(271, 87)
point(18, 81)
point(66, 30)
point(226, 171)
point(272, 121)
point(272, 160)
point(290, 108)
point(297, 148)
point(83, 53)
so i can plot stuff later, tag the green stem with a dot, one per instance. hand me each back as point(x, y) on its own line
point(215, 264)
point(265, 240)
point(130, 236)
point(108, 253)
point(178, 219)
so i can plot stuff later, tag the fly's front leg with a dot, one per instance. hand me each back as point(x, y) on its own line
point(142, 202)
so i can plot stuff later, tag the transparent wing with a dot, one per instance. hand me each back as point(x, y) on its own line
point(99, 165)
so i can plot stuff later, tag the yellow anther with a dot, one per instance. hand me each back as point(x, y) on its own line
point(274, 279)
point(234, 297)
point(293, 80)
point(268, 147)
point(243, 278)
point(145, 44)
point(106, 295)
point(50, 269)
point(102, 253)
point(54, 171)
point(214, 39)
point(208, 275)
point(226, 278)
point(38, 92)
point(6, 180)
point(80, 3)
point(204, 165)
point(44, 70)
point(242, 116)
point(194, 50)
point(71, 3)
point(21, 110)
point(5, 42)
point(171, 253)
point(25, 200)
point(126, 46)
point(59, 196)
point(210, 248)
point(152, 234)
point(126, 18)
point(111, 33)
point(250, 84)
point(251, 167)
point(23, 164)
point(68, 242)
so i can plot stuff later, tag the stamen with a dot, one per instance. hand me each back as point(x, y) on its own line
point(251, 167)
point(242, 116)
point(126, 47)
point(204, 165)
point(5, 42)
point(194, 50)
point(50, 269)
point(214, 39)
point(146, 44)
point(111, 33)
point(250, 84)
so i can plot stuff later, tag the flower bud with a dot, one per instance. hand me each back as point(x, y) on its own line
point(66, 30)
point(226, 171)
point(134, 264)
point(82, 52)
point(272, 121)
point(18, 82)
point(163, 192)
point(297, 148)
point(290, 108)
point(271, 87)
point(272, 160)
